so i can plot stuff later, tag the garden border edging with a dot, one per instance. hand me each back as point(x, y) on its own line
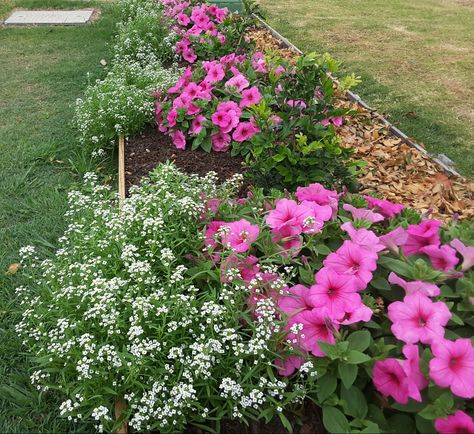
point(357, 99)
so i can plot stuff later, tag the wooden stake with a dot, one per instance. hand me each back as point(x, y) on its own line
point(120, 406)
point(121, 169)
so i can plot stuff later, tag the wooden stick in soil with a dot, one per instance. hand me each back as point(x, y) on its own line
point(120, 406)
point(121, 169)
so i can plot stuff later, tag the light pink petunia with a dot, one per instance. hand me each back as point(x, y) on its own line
point(288, 366)
point(295, 298)
point(197, 124)
point(394, 239)
point(317, 193)
point(336, 292)
point(363, 213)
point(418, 319)
point(457, 423)
point(452, 366)
point(250, 96)
point(238, 81)
point(421, 235)
point(317, 326)
point(428, 289)
point(353, 260)
point(467, 253)
point(363, 237)
point(442, 258)
point(391, 380)
point(385, 207)
point(241, 235)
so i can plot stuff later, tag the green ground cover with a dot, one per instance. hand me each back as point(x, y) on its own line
point(43, 70)
point(416, 59)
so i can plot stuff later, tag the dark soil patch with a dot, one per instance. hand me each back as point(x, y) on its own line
point(147, 150)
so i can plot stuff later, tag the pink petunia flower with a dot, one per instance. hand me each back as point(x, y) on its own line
point(321, 214)
point(189, 55)
point(317, 193)
point(317, 326)
point(258, 62)
point(245, 131)
point(288, 366)
point(411, 366)
point(215, 73)
point(220, 142)
point(353, 260)
point(421, 235)
point(221, 119)
point(442, 258)
point(183, 19)
point(428, 289)
point(363, 214)
point(238, 81)
point(456, 423)
point(250, 96)
point(363, 237)
point(288, 214)
point(197, 124)
point(452, 366)
point(391, 380)
point(467, 253)
point(178, 139)
point(360, 313)
point(248, 267)
point(336, 292)
point(297, 103)
point(211, 233)
point(295, 298)
point(241, 235)
point(385, 207)
point(418, 319)
point(394, 239)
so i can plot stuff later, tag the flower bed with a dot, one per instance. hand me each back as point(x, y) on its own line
point(191, 305)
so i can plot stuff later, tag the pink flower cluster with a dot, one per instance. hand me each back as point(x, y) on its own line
point(195, 24)
point(216, 101)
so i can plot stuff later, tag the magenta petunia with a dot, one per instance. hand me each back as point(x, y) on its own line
point(385, 207)
point(294, 299)
point(442, 258)
point(289, 365)
point(418, 319)
point(467, 252)
point(428, 289)
point(241, 235)
point(452, 366)
point(457, 423)
point(197, 124)
point(221, 119)
point(248, 267)
point(391, 380)
point(353, 260)
point(244, 131)
point(183, 19)
point(189, 55)
point(421, 235)
point(288, 215)
point(317, 193)
point(215, 73)
point(178, 139)
point(411, 366)
point(336, 292)
point(220, 142)
point(363, 213)
point(238, 81)
point(361, 313)
point(321, 214)
point(250, 96)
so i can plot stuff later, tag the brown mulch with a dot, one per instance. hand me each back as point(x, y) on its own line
point(394, 170)
point(147, 150)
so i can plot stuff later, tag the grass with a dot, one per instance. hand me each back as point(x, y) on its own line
point(43, 70)
point(416, 59)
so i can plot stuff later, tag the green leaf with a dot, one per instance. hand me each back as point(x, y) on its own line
point(401, 423)
point(356, 404)
point(322, 249)
point(335, 421)
point(326, 386)
point(359, 340)
point(441, 407)
point(372, 428)
point(380, 283)
point(424, 426)
point(348, 374)
point(286, 423)
point(356, 357)
point(206, 144)
point(397, 266)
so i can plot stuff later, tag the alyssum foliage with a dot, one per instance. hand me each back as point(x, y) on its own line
point(194, 307)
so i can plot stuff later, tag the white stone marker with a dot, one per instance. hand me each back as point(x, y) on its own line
point(51, 17)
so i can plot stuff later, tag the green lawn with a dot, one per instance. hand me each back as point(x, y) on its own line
point(416, 59)
point(42, 71)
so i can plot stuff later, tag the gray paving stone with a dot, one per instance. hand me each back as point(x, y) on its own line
point(50, 17)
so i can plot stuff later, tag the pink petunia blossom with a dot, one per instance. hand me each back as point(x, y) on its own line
point(183, 19)
point(317, 326)
point(467, 253)
point(360, 313)
point(258, 62)
point(336, 292)
point(220, 142)
point(385, 207)
point(248, 267)
point(457, 423)
point(411, 366)
point(197, 124)
point(421, 235)
point(215, 73)
point(428, 289)
point(418, 319)
point(297, 103)
point(321, 214)
point(172, 117)
point(452, 366)
point(238, 81)
point(294, 299)
point(391, 380)
point(363, 214)
point(250, 96)
point(245, 131)
point(211, 232)
point(442, 258)
point(288, 215)
point(288, 366)
point(394, 239)
point(353, 260)
point(178, 139)
point(221, 119)
point(189, 55)
point(241, 235)
point(363, 237)
point(317, 193)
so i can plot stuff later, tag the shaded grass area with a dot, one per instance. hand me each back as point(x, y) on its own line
point(43, 70)
point(416, 59)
